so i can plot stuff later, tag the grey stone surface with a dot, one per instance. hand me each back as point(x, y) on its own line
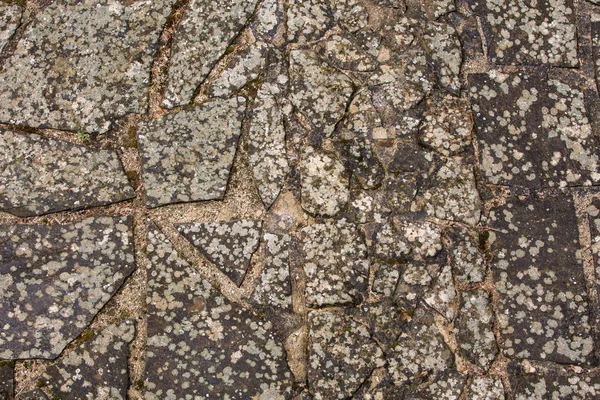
point(201, 344)
point(448, 386)
point(485, 388)
point(83, 76)
point(187, 155)
point(468, 259)
point(55, 278)
point(274, 287)
point(201, 39)
point(41, 176)
point(335, 263)
point(228, 245)
point(96, 369)
point(443, 294)
point(7, 375)
point(539, 276)
point(443, 48)
point(10, 19)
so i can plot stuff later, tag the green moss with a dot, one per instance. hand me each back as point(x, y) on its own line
point(230, 50)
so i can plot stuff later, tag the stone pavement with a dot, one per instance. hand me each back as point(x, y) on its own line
point(299, 199)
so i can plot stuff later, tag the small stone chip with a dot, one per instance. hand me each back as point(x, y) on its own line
point(229, 245)
point(41, 176)
point(187, 155)
point(55, 278)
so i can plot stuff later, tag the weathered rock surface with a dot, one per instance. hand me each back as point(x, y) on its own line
point(7, 375)
point(274, 287)
point(41, 176)
point(485, 388)
point(10, 19)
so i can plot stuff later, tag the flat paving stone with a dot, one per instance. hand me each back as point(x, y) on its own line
point(448, 386)
point(444, 50)
point(87, 74)
point(341, 357)
point(55, 278)
point(533, 130)
point(10, 19)
point(199, 343)
point(529, 32)
point(201, 39)
point(228, 245)
point(543, 309)
point(41, 176)
point(7, 376)
point(467, 258)
point(274, 287)
point(485, 388)
point(187, 155)
point(96, 369)
point(335, 263)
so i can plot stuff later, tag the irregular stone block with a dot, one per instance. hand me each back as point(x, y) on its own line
point(308, 20)
point(445, 52)
point(228, 245)
point(201, 38)
point(83, 76)
point(55, 278)
point(187, 155)
point(468, 261)
point(274, 286)
point(10, 19)
point(442, 295)
point(199, 343)
point(41, 176)
point(448, 386)
point(543, 309)
point(485, 388)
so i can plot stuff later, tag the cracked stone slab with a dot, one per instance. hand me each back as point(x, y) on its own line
point(342, 355)
point(593, 212)
point(485, 388)
point(533, 130)
point(530, 32)
point(268, 19)
point(358, 157)
point(10, 19)
point(324, 183)
point(443, 293)
point(41, 176)
point(543, 308)
point(596, 50)
point(96, 369)
point(319, 92)
point(342, 52)
point(448, 386)
point(228, 245)
point(83, 76)
point(187, 155)
point(201, 39)
point(274, 286)
point(335, 263)
point(7, 376)
point(55, 278)
point(445, 52)
point(366, 206)
point(467, 259)
point(201, 344)
point(473, 328)
point(384, 319)
point(308, 20)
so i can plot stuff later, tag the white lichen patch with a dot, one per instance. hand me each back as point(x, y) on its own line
point(485, 388)
point(10, 18)
point(274, 287)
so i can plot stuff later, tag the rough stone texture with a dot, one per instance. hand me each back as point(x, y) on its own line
point(543, 309)
point(83, 76)
point(187, 155)
point(335, 263)
point(473, 328)
point(325, 185)
point(468, 260)
point(533, 130)
point(55, 278)
point(442, 295)
point(529, 32)
point(41, 176)
point(485, 388)
point(448, 386)
point(7, 382)
point(228, 245)
point(202, 37)
point(199, 343)
point(308, 20)
point(96, 369)
point(342, 355)
point(10, 19)
point(274, 287)
point(444, 49)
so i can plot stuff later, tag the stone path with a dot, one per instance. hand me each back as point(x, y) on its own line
point(300, 199)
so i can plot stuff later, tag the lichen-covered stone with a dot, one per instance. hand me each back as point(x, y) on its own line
point(443, 293)
point(274, 286)
point(201, 38)
point(468, 260)
point(96, 68)
point(308, 20)
point(325, 183)
point(529, 32)
point(41, 176)
point(362, 119)
point(96, 369)
point(343, 53)
point(543, 308)
point(473, 328)
point(342, 355)
point(358, 157)
point(7, 375)
point(399, 191)
point(10, 19)
point(384, 319)
point(199, 343)
point(412, 158)
point(268, 19)
point(335, 263)
point(533, 131)
point(187, 155)
point(319, 92)
point(55, 278)
point(485, 388)
point(367, 206)
point(434, 9)
point(448, 386)
point(444, 50)
point(228, 245)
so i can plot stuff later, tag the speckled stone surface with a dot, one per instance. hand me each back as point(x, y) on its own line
point(96, 369)
point(81, 77)
point(10, 19)
point(7, 382)
point(229, 245)
point(187, 155)
point(41, 176)
point(484, 388)
point(54, 279)
point(274, 287)
point(199, 343)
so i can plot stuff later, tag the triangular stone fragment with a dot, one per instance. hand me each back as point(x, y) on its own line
point(228, 245)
